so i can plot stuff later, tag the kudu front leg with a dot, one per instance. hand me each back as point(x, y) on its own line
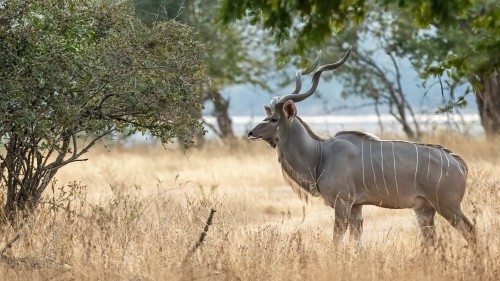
point(341, 223)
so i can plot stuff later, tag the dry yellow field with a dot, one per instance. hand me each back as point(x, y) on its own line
point(136, 213)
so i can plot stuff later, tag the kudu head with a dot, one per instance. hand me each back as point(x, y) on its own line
point(282, 111)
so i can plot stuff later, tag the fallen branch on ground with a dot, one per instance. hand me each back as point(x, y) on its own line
point(203, 234)
point(9, 244)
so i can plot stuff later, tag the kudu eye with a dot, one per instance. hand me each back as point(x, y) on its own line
point(274, 119)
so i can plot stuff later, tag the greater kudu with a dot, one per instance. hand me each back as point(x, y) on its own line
point(353, 168)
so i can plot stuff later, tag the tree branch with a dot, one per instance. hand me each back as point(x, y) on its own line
point(213, 128)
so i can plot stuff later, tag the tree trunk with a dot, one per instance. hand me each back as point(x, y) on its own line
point(402, 120)
point(221, 113)
point(488, 103)
point(24, 177)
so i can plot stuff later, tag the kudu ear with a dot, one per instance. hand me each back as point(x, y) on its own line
point(289, 109)
point(268, 110)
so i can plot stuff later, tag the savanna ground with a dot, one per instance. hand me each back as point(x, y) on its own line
point(136, 213)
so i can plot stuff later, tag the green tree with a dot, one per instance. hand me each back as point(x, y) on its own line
point(229, 57)
point(73, 72)
point(456, 39)
point(468, 52)
point(312, 22)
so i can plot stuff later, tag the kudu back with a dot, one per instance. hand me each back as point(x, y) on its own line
point(353, 168)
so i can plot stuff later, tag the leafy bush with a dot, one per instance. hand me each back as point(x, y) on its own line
point(73, 72)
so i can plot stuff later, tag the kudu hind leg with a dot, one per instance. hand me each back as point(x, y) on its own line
point(425, 219)
point(461, 223)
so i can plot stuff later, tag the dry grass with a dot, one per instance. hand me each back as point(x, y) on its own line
point(135, 213)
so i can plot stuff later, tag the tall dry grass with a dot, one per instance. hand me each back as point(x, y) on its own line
point(135, 213)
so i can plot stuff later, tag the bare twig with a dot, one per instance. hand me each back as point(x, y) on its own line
point(212, 127)
point(9, 244)
point(179, 12)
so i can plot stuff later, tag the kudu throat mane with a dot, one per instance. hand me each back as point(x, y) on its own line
point(310, 132)
point(302, 185)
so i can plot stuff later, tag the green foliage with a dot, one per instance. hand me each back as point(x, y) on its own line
point(229, 57)
point(312, 22)
point(455, 40)
point(236, 53)
point(469, 47)
point(72, 69)
point(77, 67)
point(465, 53)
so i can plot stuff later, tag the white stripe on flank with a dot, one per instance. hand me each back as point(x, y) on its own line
point(416, 169)
point(447, 159)
point(371, 160)
point(459, 165)
point(395, 177)
point(363, 163)
point(429, 166)
point(439, 180)
point(382, 165)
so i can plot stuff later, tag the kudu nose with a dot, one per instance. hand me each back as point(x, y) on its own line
point(250, 134)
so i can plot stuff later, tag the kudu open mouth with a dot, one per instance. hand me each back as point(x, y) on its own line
point(252, 137)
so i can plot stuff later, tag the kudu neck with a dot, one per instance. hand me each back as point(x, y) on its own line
point(296, 142)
